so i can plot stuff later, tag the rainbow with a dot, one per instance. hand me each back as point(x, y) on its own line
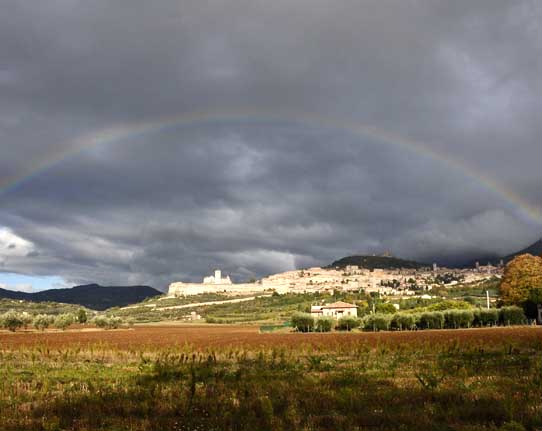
point(122, 132)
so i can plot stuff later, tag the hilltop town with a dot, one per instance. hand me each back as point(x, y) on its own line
point(350, 278)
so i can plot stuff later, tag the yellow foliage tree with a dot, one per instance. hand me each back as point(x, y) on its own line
point(521, 276)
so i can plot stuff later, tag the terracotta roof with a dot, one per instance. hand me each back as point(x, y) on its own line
point(339, 304)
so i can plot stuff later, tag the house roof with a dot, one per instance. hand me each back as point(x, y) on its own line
point(339, 304)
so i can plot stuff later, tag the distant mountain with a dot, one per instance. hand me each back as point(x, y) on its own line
point(534, 249)
point(381, 262)
point(91, 296)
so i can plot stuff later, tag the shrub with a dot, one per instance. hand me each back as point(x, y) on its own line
point(347, 323)
point(451, 319)
point(107, 322)
point(62, 321)
point(26, 319)
point(100, 321)
point(458, 318)
point(449, 305)
point(303, 322)
point(377, 322)
point(385, 307)
point(433, 320)
point(512, 315)
point(488, 317)
point(466, 318)
point(324, 324)
point(82, 316)
point(530, 305)
point(114, 322)
point(12, 321)
point(42, 321)
point(402, 321)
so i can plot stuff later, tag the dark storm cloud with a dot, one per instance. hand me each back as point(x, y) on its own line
point(261, 196)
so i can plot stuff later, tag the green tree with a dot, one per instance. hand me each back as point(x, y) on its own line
point(101, 321)
point(324, 324)
point(402, 321)
point(531, 304)
point(347, 323)
point(512, 315)
point(385, 307)
point(63, 321)
point(82, 316)
point(432, 320)
point(458, 318)
point(12, 321)
point(488, 317)
point(303, 322)
point(114, 322)
point(42, 321)
point(27, 319)
point(377, 322)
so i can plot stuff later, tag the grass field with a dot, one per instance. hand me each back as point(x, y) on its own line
point(233, 377)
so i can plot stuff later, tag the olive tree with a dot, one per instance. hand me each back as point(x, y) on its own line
point(82, 316)
point(63, 321)
point(512, 315)
point(42, 321)
point(402, 321)
point(12, 321)
point(324, 324)
point(432, 320)
point(303, 322)
point(347, 323)
point(377, 322)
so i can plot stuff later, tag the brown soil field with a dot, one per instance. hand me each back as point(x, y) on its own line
point(207, 336)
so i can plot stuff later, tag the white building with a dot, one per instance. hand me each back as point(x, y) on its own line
point(217, 278)
point(214, 284)
point(335, 310)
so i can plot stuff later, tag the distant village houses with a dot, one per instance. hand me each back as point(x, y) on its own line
point(400, 282)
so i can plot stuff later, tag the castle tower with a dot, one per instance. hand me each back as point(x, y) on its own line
point(218, 276)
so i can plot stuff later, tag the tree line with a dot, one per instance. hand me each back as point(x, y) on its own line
point(13, 320)
point(449, 319)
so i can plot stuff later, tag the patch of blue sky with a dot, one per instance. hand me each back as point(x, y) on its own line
point(30, 283)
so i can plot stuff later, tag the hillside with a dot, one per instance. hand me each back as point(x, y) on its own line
point(534, 249)
point(33, 308)
point(372, 262)
point(91, 296)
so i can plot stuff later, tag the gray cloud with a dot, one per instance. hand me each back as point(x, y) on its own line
point(262, 195)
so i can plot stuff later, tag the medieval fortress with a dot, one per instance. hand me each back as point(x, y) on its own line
point(397, 282)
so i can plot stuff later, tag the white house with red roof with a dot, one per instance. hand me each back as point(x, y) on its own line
point(336, 310)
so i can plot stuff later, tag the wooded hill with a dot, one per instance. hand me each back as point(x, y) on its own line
point(381, 262)
point(91, 296)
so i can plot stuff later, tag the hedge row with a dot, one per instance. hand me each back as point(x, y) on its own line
point(449, 319)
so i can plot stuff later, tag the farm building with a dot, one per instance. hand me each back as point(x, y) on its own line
point(335, 310)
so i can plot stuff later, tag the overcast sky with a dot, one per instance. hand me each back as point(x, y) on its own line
point(277, 189)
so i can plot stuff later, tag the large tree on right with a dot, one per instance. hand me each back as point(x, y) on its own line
point(522, 282)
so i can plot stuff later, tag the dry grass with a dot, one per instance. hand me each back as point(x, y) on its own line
point(188, 377)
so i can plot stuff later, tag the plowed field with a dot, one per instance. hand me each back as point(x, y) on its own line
point(249, 336)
